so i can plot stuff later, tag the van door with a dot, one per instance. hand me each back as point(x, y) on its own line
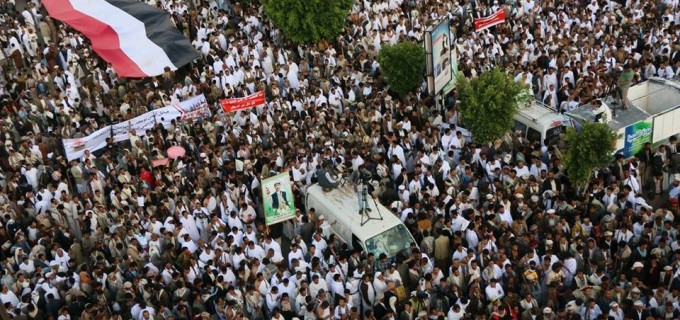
point(521, 127)
point(553, 134)
point(356, 243)
point(534, 135)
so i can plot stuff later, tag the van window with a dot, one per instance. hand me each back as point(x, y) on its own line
point(533, 135)
point(521, 127)
point(390, 242)
point(554, 133)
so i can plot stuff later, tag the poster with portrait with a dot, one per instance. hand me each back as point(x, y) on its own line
point(277, 198)
point(439, 62)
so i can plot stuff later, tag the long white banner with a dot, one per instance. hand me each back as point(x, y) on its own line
point(75, 148)
point(121, 131)
point(193, 108)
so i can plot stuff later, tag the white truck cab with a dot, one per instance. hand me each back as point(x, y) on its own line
point(538, 122)
point(384, 233)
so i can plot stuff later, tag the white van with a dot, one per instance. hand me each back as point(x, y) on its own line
point(538, 122)
point(341, 210)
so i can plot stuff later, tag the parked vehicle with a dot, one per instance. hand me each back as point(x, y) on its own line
point(384, 233)
point(654, 117)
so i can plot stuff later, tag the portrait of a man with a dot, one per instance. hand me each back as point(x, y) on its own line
point(279, 198)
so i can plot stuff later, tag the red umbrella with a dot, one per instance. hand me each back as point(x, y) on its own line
point(176, 152)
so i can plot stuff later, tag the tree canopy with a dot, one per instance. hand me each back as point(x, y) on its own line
point(308, 21)
point(402, 65)
point(488, 103)
point(588, 149)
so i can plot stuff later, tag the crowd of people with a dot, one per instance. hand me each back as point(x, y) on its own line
point(500, 231)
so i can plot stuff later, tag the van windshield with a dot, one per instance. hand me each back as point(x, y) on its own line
point(390, 242)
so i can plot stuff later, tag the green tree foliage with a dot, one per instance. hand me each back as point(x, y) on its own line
point(488, 103)
point(308, 21)
point(402, 66)
point(588, 149)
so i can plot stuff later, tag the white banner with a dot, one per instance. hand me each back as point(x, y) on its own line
point(76, 147)
point(165, 115)
point(121, 131)
point(193, 108)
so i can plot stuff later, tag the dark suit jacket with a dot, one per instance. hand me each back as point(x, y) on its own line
point(275, 199)
point(635, 316)
point(617, 170)
point(597, 256)
point(546, 185)
point(657, 164)
point(645, 156)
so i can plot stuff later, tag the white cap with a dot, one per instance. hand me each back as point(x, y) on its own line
point(547, 310)
point(637, 264)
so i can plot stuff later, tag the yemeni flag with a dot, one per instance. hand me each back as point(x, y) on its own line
point(497, 17)
point(137, 39)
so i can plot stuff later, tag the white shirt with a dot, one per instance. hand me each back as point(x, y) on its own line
point(494, 292)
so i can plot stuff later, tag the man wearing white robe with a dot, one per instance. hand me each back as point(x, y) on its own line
point(293, 75)
point(189, 225)
point(396, 150)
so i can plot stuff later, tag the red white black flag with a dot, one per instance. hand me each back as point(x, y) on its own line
point(137, 39)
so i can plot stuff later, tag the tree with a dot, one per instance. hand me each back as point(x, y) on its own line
point(402, 66)
point(588, 149)
point(488, 103)
point(308, 21)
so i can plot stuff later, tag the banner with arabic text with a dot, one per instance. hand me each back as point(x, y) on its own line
point(193, 108)
point(75, 148)
point(496, 18)
point(238, 104)
point(122, 130)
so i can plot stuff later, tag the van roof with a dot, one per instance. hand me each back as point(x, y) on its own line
point(649, 98)
point(539, 114)
point(623, 118)
point(343, 202)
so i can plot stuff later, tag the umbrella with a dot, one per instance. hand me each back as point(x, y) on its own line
point(176, 152)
